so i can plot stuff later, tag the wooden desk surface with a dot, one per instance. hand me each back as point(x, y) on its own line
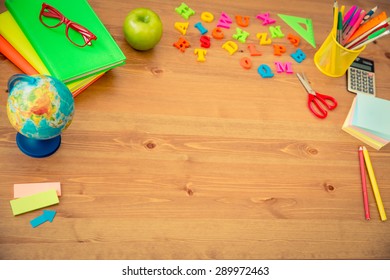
point(170, 158)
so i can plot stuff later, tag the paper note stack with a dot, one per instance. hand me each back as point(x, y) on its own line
point(38, 49)
point(368, 120)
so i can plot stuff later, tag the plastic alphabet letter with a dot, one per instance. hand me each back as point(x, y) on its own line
point(218, 33)
point(265, 18)
point(201, 28)
point(201, 54)
point(240, 35)
point(182, 44)
point(276, 32)
point(265, 71)
point(298, 56)
point(242, 21)
point(207, 17)
point(279, 50)
point(282, 67)
point(263, 39)
point(224, 21)
point(253, 51)
point(294, 39)
point(205, 41)
point(181, 27)
point(230, 46)
point(246, 63)
point(185, 11)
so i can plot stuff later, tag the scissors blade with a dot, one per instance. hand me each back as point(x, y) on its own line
point(304, 81)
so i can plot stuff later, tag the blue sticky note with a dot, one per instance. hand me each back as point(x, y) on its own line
point(372, 114)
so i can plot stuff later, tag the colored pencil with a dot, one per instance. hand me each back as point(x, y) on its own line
point(364, 184)
point(374, 185)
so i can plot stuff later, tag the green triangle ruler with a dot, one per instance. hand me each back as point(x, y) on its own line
point(297, 23)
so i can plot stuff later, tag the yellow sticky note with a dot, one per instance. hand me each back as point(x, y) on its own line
point(34, 202)
point(22, 190)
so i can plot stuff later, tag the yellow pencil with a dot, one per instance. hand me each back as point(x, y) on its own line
point(332, 57)
point(374, 185)
point(335, 17)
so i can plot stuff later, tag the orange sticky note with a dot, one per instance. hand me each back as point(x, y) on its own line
point(22, 190)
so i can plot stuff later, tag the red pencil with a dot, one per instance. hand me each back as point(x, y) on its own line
point(364, 183)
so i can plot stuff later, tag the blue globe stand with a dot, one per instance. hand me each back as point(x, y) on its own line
point(38, 148)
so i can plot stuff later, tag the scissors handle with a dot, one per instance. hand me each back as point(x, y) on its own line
point(316, 108)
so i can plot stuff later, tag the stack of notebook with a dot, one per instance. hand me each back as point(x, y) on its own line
point(368, 120)
point(38, 49)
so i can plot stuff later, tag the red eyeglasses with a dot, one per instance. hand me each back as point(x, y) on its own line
point(76, 33)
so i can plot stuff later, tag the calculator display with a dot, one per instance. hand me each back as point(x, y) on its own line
point(362, 66)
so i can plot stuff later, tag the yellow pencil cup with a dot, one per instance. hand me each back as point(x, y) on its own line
point(333, 59)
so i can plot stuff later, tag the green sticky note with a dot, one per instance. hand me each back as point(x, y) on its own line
point(34, 202)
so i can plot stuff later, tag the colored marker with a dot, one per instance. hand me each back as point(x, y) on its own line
point(348, 16)
point(354, 27)
point(375, 28)
point(339, 28)
point(371, 38)
point(352, 22)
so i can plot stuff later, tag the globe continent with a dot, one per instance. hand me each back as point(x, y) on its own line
point(40, 107)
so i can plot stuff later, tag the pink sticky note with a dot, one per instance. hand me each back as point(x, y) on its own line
point(22, 190)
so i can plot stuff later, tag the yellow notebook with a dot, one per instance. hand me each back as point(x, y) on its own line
point(10, 30)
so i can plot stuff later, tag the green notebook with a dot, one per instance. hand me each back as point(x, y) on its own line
point(63, 59)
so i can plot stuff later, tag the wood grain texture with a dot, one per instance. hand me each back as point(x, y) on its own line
point(169, 158)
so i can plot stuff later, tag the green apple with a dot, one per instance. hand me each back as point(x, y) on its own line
point(142, 29)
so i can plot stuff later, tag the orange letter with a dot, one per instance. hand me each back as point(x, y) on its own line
point(242, 22)
point(182, 44)
point(246, 63)
point(218, 33)
point(253, 51)
point(279, 50)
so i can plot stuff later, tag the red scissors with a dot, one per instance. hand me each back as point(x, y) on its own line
point(315, 99)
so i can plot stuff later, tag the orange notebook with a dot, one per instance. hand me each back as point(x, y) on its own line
point(16, 58)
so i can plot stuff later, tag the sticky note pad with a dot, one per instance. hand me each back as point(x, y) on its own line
point(22, 190)
point(372, 114)
point(34, 202)
point(367, 120)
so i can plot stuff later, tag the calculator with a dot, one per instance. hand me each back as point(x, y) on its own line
point(361, 76)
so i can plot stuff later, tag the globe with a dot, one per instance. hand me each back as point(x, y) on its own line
point(40, 108)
